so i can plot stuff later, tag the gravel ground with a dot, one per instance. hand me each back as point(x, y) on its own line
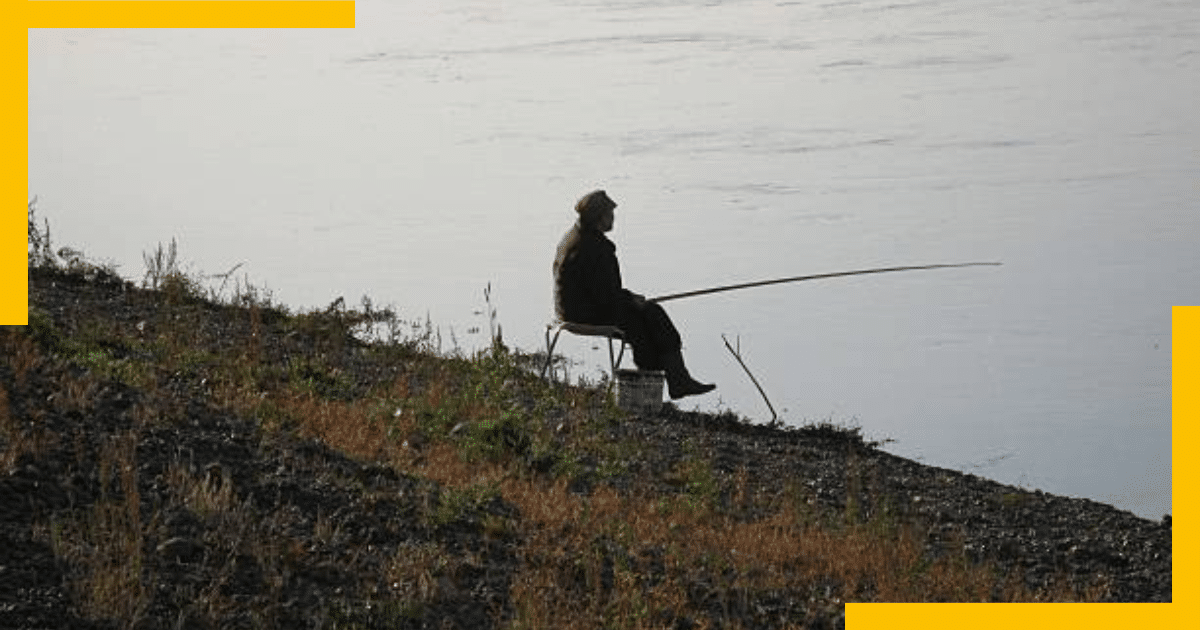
point(1041, 534)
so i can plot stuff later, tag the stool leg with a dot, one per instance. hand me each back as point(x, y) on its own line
point(612, 364)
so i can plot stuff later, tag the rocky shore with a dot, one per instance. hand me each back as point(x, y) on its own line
point(237, 525)
point(1037, 535)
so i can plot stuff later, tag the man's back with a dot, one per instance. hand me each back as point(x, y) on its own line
point(587, 277)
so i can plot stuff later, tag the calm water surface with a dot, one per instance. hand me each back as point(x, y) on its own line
point(439, 146)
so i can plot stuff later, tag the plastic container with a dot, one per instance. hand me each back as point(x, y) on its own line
point(640, 391)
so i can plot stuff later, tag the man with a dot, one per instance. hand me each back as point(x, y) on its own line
point(588, 290)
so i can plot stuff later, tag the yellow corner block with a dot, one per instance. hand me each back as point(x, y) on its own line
point(14, 133)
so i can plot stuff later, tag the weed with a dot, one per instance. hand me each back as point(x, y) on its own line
point(207, 494)
point(1011, 500)
point(568, 466)
point(103, 364)
point(163, 273)
point(495, 333)
point(76, 394)
point(20, 439)
point(43, 256)
point(695, 477)
point(462, 505)
point(41, 251)
point(494, 437)
point(41, 330)
point(105, 545)
point(326, 530)
point(23, 356)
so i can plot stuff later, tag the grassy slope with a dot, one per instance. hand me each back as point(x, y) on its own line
point(572, 522)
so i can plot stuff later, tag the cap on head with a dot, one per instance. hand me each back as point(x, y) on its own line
point(593, 204)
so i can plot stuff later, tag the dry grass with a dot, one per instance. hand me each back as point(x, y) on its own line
point(415, 576)
point(234, 531)
point(570, 538)
point(352, 428)
point(21, 436)
point(560, 584)
point(206, 494)
point(23, 355)
point(16, 441)
point(105, 544)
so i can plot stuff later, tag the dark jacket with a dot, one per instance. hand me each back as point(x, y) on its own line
point(587, 278)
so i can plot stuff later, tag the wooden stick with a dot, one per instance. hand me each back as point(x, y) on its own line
point(819, 276)
point(737, 354)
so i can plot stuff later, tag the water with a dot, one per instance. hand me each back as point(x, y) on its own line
point(439, 146)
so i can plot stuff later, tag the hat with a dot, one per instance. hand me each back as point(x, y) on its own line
point(593, 202)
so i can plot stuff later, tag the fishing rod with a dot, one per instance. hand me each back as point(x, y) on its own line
point(819, 276)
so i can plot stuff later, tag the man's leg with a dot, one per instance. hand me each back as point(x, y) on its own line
point(658, 346)
point(640, 335)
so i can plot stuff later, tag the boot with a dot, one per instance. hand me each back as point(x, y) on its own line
point(679, 382)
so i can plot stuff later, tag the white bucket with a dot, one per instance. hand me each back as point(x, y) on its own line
point(639, 391)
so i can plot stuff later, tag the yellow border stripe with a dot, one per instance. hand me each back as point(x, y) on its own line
point(1010, 616)
point(1185, 411)
point(191, 14)
point(14, 169)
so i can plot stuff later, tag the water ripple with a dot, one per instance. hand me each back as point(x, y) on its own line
point(723, 42)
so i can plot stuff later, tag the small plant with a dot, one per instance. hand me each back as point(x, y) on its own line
point(495, 436)
point(567, 466)
point(1011, 500)
point(18, 439)
point(207, 494)
point(411, 578)
point(17, 345)
point(76, 394)
point(163, 273)
point(106, 544)
point(40, 329)
point(463, 504)
point(495, 333)
point(160, 265)
point(701, 484)
point(695, 476)
point(41, 252)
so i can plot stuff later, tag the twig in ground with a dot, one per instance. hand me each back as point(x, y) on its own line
point(738, 355)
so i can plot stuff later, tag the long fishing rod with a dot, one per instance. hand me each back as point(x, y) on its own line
point(819, 276)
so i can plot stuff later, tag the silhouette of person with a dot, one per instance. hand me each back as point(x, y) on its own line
point(588, 290)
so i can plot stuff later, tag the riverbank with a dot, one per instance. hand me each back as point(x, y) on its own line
point(172, 460)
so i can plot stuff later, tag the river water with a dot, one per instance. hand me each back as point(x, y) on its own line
point(438, 148)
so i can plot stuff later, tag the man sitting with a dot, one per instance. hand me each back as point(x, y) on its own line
point(587, 290)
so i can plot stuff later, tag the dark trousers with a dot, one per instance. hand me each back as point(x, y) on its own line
point(649, 330)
